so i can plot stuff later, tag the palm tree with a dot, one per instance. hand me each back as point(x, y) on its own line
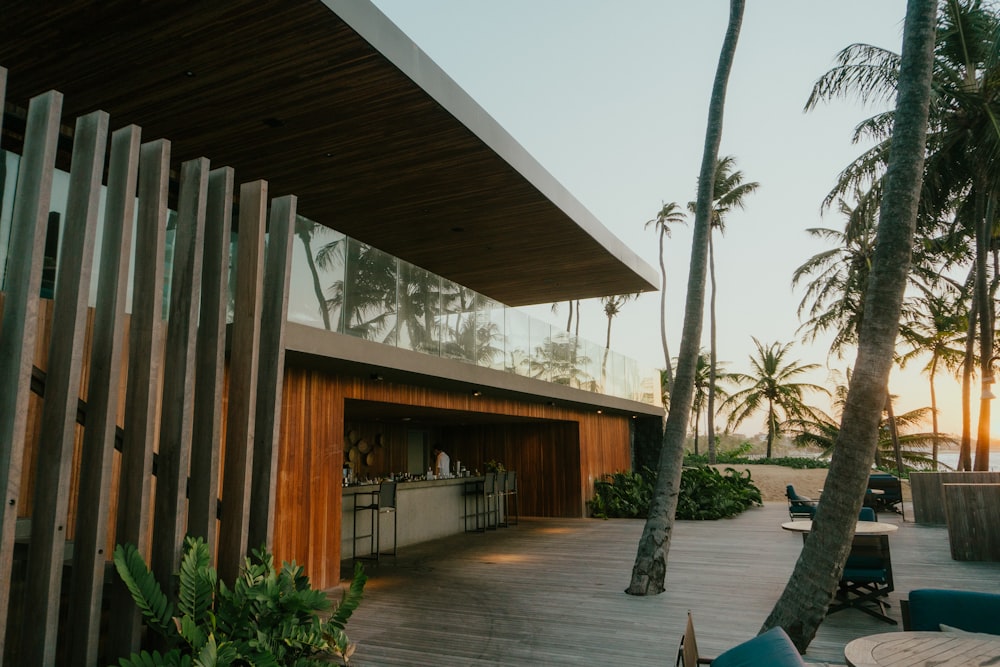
point(730, 192)
point(650, 566)
point(937, 325)
point(962, 175)
point(612, 307)
point(772, 387)
point(803, 604)
point(706, 383)
point(669, 214)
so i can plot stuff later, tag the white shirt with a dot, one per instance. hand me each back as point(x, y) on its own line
point(443, 464)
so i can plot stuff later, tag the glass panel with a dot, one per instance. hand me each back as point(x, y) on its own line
point(419, 310)
point(490, 332)
point(8, 181)
point(517, 343)
point(316, 283)
point(458, 324)
point(541, 343)
point(370, 293)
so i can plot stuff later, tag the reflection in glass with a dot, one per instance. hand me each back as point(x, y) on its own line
point(317, 260)
point(367, 293)
point(489, 332)
point(518, 342)
point(419, 309)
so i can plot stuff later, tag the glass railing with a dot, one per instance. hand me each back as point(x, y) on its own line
point(347, 287)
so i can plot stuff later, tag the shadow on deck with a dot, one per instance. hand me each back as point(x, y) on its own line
point(549, 592)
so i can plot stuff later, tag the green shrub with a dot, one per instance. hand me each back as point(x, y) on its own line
point(268, 617)
point(705, 493)
point(798, 462)
point(621, 495)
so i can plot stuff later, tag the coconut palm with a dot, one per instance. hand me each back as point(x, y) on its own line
point(669, 214)
point(649, 570)
point(704, 378)
point(962, 173)
point(803, 604)
point(937, 325)
point(612, 307)
point(730, 192)
point(773, 387)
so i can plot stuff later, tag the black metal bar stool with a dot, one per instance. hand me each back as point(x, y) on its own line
point(510, 499)
point(380, 502)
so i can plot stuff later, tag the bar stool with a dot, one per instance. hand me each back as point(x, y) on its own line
point(472, 489)
point(509, 494)
point(498, 498)
point(380, 502)
point(490, 498)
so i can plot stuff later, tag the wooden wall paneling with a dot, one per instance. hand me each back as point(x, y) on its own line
point(142, 396)
point(170, 506)
point(19, 325)
point(103, 396)
point(206, 440)
point(243, 369)
point(271, 372)
point(62, 389)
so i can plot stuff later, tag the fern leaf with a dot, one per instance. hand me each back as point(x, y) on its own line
point(197, 579)
point(146, 592)
point(352, 597)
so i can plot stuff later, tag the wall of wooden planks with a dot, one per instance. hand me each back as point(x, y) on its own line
point(558, 455)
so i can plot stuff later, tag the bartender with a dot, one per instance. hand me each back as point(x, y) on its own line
point(442, 463)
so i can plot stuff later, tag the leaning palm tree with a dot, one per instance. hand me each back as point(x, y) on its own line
point(730, 192)
point(803, 604)
point(773, 387)
point(669, 214)
point(649, 569)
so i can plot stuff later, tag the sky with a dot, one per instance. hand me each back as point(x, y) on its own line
point(611, 98)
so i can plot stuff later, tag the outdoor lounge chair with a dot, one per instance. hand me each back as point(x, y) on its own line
point(772, 649)
point(867, 577)
point(799, 507)
point(971, 611)
point(891, 498)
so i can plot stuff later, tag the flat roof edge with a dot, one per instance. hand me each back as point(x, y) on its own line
point(385, 36)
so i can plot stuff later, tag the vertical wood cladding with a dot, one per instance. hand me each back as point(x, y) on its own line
point(558, 453)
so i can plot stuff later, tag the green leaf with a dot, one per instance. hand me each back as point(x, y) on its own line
point(146, 592)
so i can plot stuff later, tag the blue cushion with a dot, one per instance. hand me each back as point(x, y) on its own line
point(866, 514)
point(971, 611)
point(771, 649)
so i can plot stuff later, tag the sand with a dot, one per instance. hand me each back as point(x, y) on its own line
point(772, 480)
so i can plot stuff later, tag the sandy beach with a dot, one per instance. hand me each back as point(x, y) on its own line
point(772, 480)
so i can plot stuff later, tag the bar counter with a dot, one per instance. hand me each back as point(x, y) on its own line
point(425, 510)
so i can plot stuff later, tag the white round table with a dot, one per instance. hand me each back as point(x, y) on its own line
point(923, 649)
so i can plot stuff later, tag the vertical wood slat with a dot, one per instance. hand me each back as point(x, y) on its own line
point(242, 379)
point(94, 488)
point(177, 413)
point(206, 442)
point(271, 372)
point(145, 363)
point(62, 388)
point(20, 316)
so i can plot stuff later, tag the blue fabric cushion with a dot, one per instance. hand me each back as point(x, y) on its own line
point(771, 649)
point(971, 611)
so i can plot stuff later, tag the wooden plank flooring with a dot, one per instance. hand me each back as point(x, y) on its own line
point(549, 592)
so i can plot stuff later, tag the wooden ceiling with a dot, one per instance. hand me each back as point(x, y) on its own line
point(288, 91)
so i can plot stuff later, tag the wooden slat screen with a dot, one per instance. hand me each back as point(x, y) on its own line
point(59, 479)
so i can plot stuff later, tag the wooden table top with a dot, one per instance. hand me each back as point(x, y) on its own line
point(923, 649)
point(861, 528)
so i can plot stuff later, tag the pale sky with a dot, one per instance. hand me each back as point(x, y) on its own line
point(611, 98)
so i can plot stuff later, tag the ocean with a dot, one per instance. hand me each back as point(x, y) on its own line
point(950, 458)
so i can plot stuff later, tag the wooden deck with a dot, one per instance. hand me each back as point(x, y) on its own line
point(549, 592)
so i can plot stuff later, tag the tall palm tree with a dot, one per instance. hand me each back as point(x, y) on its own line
point(612, 307)
point(649, 570)
point(669, 214)
point(730, 192)
point(803, 604)
point(937, 325)
point(962, 173)
point(706, 383)
point(773, 388)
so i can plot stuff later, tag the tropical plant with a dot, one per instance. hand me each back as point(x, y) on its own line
point(649, 569)
point(729, 192)
point(612, 307)
point(621, 495)
point(268, 617)
point(961, 189)
point(668, 215)
point(773, 388)
point(704, 385)
point(803, 604)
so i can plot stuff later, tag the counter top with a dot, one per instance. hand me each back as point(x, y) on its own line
point(417, 484)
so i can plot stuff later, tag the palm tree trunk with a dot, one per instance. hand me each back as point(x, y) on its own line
point(668, 367)
point(984, 230)
point(324, 309)
point(710, 417)
point(965, 448)
point(569, 322)
point(935, 446)
point(649, 570)
point(893, 432)
point(803, 604)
